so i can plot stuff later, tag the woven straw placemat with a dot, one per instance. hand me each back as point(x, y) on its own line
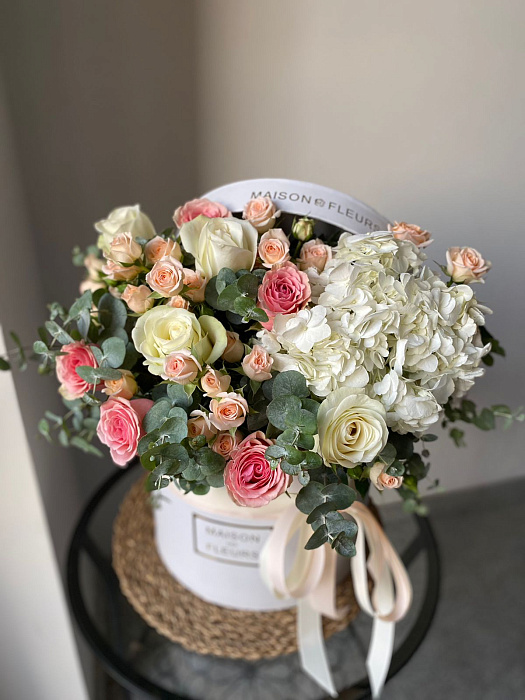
point(184, 618)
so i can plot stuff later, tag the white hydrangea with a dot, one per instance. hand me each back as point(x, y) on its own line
point(382, 321)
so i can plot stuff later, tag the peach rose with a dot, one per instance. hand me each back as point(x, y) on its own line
point(77, 354)
point(159, 248)
point(178, 302)
point(191, 210)
point(410, 232)
point(382, 480)
point(120, 427)
point(200, 424)
point(258, 364)
point(124, 249)
point(93, 265)
point(213, 382)
point(228, 410)
point(225, 443)
point(125, 387)
point(138, 299)
point(234, 348)
point(119, 273)
point(274, 247)
point(284, 290)
point(166, 277)
point(180, 367)
point(316, 254)
point(466, 265)
point(261, 212)
point(196, 283)
point(249, 478)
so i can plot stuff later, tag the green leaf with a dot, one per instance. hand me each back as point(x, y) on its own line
point(114, 350)
point(307, 422)
point(485, 420)
point(178, 396)
point(304, 478)
point(243, 305)
point(94, 375)
point(248, 285)
point(319, 537)
point(341, 496)
point(388, 454)
point(275, 452)
point(309, 497)
point(157, 414)
point(259, 315)
point(43, 429)
point(344, 545)
point(210, 461)
point(311, 405)
point(193, 472)
point(225, 278)
point(40, 347)
point(58, 333)
point(85, 446)
point(311, 460)
point(174, 428)
point(428, 437)
point(216, 481)
point(288, 437)
point(289, 382)
point(112, 312)
point(4, 364)
point(305, 441)
point(226, 299)
point(291, 469)
point(284, 411)
point(82, 303)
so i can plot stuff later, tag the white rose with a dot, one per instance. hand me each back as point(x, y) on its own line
point(352, 428)
point(165, 329)
point(218, 243)
point(124, 220)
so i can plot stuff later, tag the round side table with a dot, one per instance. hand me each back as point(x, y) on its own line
point(145, 663)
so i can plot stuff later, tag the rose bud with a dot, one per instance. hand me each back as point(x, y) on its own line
point(303, 229)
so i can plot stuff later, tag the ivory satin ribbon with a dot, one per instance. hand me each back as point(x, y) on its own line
point(312, 582)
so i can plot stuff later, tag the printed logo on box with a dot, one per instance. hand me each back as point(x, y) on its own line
point(226, 542)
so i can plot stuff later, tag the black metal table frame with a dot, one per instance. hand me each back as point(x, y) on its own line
point(129, 679)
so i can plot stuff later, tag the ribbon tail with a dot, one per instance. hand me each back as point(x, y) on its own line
point(380, 655)
point(312, 650)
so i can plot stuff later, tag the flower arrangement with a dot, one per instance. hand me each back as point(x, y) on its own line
point(247, 351)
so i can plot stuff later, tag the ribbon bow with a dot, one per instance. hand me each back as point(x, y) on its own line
point(312, 582)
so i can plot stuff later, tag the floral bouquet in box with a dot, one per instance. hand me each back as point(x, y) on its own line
point(286, 340)
point(247, 349)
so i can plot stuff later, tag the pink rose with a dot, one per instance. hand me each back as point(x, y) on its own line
point(90, 285)
point(234, 347)
point(125, 387)
point(166, 277)
point(261, 212)
point(382, 480)
point(213, 382)
point(409, 232)
point(120, 427)
point(138, 299)
point(191, 210)
point(196, 283)
point(284, 290)
point(466, 265)
point(228, 410)
point(258, 364)
point(124, 249)
point(159, 248)
point(78, 354)
point(180, 367)
point(178, 302)
point(225, 443)
point(118, 272)
point(274, 247)
point(316, 254)
point(249, 478)
point(200, 424)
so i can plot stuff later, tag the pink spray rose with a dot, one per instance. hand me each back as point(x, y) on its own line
point(261, 212)
point(410, 232)
point(159, 248)
point(213, 382)
point(166, 277)
point(178, 302)
point(257, 365)
point(191, 210)
point(316, 254)
point(180, 367)
point(228, 410)
point(466, 265)
point(284, 290)
point(199, 424)
point(274, 247)
point(78, 354)
point(196, 283)
point(120, 427)
point(234, 347)
point(382, 480)
point(138, 299)
point(225, 443)
point(249, 478)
